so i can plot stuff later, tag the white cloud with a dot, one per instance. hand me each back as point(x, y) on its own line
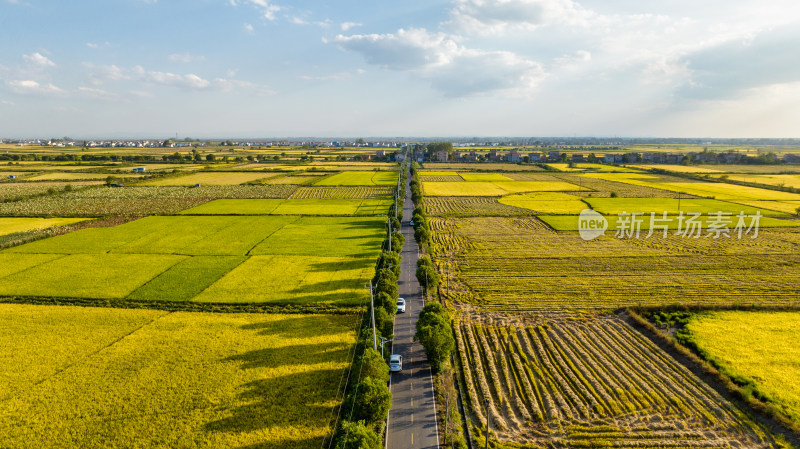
point(185, 58)
point(92, 45)
point(248, 28)
point(405, 50)
point(347, 25)
point(33, 87)
point(8, 103)
point(267, 9)
point(727, 68)
point(38, 59)
point(498, 16)
point(190, 81)
point(451, 68)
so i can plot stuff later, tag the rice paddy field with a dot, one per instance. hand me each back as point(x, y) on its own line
point(359, 178)
point(782, 180)
point(538, 332)
point(759, 347)
point(495, 188)
point(135, 201)
point(309, 206)
point(182, 337)
point(208, 254)
point(574, 382)
point(720, 168)
point(97, 377)
point(11, 225)
point(208, 178)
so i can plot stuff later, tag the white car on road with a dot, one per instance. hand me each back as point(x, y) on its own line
point(401, 305)
point(395, 362)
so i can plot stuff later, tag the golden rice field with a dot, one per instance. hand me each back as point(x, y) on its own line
point(784, 180)
point(10, 225)
point(761, 347)
point(70, 176)
point(99, 378)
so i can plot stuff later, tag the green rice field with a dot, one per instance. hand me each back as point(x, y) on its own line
point(179, 258)
point(360, 178)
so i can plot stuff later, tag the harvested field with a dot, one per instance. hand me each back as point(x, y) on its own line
point(575, 382)
point(344, 192)
point(444, 206)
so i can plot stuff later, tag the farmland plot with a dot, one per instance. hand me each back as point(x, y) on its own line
point(195, 258)
point(360, 178)
point(209, 178)
point(473, 207)
point(518, 264)
point(495, 188)
point(344, 192)
point(10, 225)
point(672, 206)
point(98, 378)
point(761, 347)
point(590, 382)
point(72, 176)
point(17, 190)
point(136, 201)
point(293, 207)
point(288, 279)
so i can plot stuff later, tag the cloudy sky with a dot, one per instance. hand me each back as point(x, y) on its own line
point(271, 68)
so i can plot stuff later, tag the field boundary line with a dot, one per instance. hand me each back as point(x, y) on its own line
point(38, 264)
point(87, 356)
point(270, 235)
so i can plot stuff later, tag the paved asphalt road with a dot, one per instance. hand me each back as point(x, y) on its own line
point(412, 419)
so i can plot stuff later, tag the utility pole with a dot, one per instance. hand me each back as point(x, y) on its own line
point(446, 411)
point(487, 422)
point(372, 311)
point(384, 340)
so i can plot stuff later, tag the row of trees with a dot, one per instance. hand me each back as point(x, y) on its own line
point(368, 399)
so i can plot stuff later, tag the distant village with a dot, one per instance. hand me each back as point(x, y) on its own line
point(612, 153)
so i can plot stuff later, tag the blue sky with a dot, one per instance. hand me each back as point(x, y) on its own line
point(269, 68)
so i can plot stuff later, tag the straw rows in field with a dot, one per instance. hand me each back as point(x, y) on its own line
point(471, 207)
point(343, 192)
point(574, 383)
point(136, 201)
point(513, 264)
